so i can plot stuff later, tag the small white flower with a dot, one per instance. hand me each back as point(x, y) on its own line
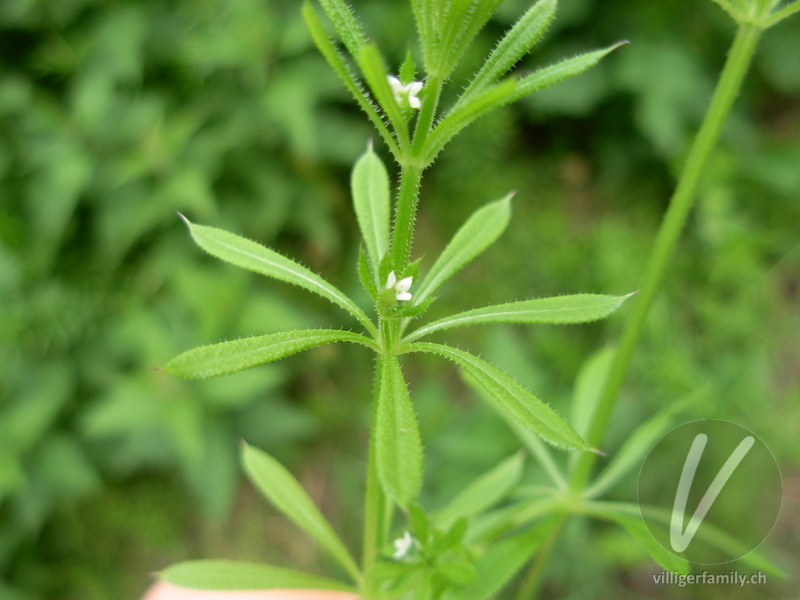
point(401, 287)
point(406, 94)
point(402, 545)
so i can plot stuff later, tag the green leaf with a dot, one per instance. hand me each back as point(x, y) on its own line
point(424, 20)
point(549, 76)
point(337, 63)
point(588, 388)
point(374, 69)
point(501, 562)
point(235, 575)
point(460, 117)
point(408, 70)
point(346, 24)
point(516, 43)
point(252, 256)
point(708, 533)
point(237, 355)
point(632, 452)
point(559, 310)
point(510, 398)
point(279, 486)
point(537, 448)
point(398, 444)
point(635, 526)
point(786, 11)
point(483, 493)
point(506, 92)
point(370, 188)
point(458, 21)
point(365, 275)
point(478, 233)
point(639, 443)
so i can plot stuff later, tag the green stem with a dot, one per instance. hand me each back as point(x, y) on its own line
point(410, 177)
point(533, 578)
point(733, 73)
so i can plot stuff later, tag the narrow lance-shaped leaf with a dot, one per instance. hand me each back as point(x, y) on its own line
point(398, 444)
point(636, 527)
point(235, 575)
point(588, 389)
point(516, 43)
point(370, 188)
point(502, 561)
point(459, 23)
point(639, 443)
point(479, 232)
point(346, 24)
point(708, 533)
point(559, 310)
point(483, 493)
point(458, 118)
point(252, 256)
point(371, 63)
point(279, 486)
point(237, 355)
point(632, 452)
point(549, 76)
point(337, 63)
point(511, 398)
point(423, 19)
point(783, 13)
point(540, 451)
point(506, 92)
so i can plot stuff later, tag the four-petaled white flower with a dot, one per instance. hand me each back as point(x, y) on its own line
point(401, 287)
point(402, 545)
point(406, 94)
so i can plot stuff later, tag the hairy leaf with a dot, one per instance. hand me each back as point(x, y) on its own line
point(517, 42)
point(237, 355)
point(505, 92)
point(252, 256)
point(346, 24)
point(374, 69)
point(510, 398)
point(397, 440)
point(370, 188)
point(559, 310)
point(479, 232)
point(337, 63)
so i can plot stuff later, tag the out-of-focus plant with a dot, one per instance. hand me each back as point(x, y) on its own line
point(463, 550)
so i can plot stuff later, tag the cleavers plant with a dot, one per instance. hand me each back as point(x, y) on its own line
point(470, 549)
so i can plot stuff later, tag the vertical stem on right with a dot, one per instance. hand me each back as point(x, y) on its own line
point(733, 74)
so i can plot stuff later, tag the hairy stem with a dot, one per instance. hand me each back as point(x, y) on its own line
point(733, 74)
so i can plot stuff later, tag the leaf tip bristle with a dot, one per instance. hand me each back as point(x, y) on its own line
point(183, 217)
point(598, 452)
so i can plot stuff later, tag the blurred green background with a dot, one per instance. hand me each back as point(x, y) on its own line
point(116, 114)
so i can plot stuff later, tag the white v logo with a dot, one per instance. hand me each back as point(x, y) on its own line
point(679, 538)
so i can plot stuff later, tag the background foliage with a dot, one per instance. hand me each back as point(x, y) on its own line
point(113, 115)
